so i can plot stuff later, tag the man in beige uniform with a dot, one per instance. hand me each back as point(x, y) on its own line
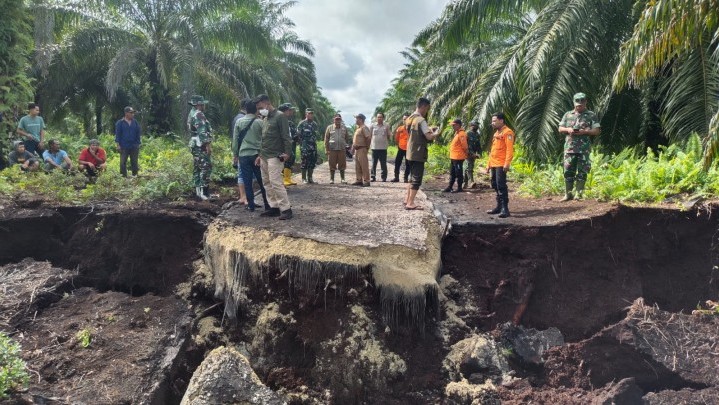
point(337, 138)
point(360, 145)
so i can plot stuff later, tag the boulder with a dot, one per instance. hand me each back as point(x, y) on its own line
point(530, 344)
point(478, 356)
point(225, 377)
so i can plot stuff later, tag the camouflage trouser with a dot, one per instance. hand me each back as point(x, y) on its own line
point(309, 158)
point(576, 165)
point(291, 161)
point(202, 167)
point(469, 171)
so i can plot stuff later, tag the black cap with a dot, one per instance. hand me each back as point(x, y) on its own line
point(129, 109)
point(286, 106)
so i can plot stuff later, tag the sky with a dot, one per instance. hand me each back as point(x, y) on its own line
point(358, 44)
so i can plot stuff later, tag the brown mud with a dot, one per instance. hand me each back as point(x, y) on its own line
point(618, 282)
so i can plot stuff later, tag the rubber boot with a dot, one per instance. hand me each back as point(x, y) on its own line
point(287, 177)
point(200, 193)
point(342, 177)
point(304, 176)
point(569, 185)
point(286, 214)
point(504, 213)
point(580, 190)
point(332, 177)
point(272, 212)
point(309, 176)
point(498, 208)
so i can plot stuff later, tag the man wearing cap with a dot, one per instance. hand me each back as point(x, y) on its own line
point(32, 128)
point(337, 138)
point(419, 135)
point(500, 159)
point(127, 141)
point(381, 135)
point(308, 132)
point(193, 110)
point(250, 128)
point(274, 150)
point(92, 159)
point(360, 145)
point(458, 151)
point(400, 137)
point(201, 149)
point(289, 111)
point(19, 156)
point(474, 144)
point(579, 125)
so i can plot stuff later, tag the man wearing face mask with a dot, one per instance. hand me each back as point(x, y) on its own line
point(274, 150)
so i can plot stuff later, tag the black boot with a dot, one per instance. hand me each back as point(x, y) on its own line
point(272, 212)
point(504, 213)
point(498, 208)
point(286, 214)
point(206, 191)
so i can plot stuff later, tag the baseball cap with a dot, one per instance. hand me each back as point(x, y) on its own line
point(361, 116)
point(129, 109)
point(309, 111)
point(579, 96)
point(194, 99)
point(286, 106)
point(338, 115)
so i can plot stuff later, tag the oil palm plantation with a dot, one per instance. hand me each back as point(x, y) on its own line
point(528, 58)
point(170, 49)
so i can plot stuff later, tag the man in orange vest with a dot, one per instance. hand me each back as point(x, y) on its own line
point(458, 152)
point(500, 157)
point(401, 136)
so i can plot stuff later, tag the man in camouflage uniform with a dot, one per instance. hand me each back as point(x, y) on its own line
point(308, 132)
point(475, 151)
point(201, 148)
point(193, 101)
point(578, 125)
point(289, 111)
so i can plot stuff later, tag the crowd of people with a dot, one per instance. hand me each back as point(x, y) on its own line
point(264, 143)
point(32, 153)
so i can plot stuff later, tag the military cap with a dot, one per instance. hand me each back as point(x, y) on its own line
point(579, 96)
point(286, 106)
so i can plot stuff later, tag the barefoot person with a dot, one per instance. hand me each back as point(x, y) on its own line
point(419, 135)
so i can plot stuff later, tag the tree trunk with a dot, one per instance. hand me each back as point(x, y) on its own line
point(98, 114)
point(159, 120)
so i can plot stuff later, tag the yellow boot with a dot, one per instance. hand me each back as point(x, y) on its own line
point(288, 177)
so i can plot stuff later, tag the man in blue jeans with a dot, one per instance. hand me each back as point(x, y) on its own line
point(127, 140)
point(250, 128)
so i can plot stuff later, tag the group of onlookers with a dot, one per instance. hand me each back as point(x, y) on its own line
point(31, 153)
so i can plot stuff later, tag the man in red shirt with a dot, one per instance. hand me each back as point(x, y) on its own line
point(93, 158)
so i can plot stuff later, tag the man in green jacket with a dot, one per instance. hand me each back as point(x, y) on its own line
point(274, 150)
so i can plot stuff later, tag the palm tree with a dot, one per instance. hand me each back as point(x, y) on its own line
point(228, 48)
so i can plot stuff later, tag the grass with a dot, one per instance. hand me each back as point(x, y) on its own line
point(13, 375)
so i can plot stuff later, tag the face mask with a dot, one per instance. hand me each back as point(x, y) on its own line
point(264, 112)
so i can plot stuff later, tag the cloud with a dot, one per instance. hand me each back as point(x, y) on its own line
point(358, 45)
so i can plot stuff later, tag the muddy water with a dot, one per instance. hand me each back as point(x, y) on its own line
point(333, 343)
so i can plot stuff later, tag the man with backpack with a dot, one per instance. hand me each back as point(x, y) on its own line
point(246, 147)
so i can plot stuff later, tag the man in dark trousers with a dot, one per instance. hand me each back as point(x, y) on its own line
point(127, 141)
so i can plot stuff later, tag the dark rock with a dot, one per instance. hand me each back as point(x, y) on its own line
point(625, 392)
point(530, 344)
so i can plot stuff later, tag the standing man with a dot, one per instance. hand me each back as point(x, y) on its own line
point(32, 128)
point(381, 135)
point(193, 110)
point(419, 135)
point(127, 141)
point(274, 150)
point(308, 133)
point(458, 151)
point(475, 151)
point(250, 127)
point(500, 157)
point(337, 138)
point(400, 136)
point(201, 148)
point(360, 144)
point(579, 124)
point(289, 112)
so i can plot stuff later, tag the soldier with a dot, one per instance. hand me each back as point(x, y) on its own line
point(579, 124)
point(193, 101)
point(337, 140)
point(289, 112)
point(201, 148)
point(308, 132)
point(475, 151)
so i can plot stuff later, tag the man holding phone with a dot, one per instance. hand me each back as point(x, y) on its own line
point(579, 125)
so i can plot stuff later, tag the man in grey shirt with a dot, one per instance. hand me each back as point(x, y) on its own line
point(381, 134)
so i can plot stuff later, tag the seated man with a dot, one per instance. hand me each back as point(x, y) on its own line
point(92, 159)
point(56, 158)
point(19, 156)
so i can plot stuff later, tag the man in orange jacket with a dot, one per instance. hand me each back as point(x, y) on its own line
point(401, 136)
point(500, 157)
point(458, 152)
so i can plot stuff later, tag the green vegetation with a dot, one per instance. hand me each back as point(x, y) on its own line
point(13, 375)
point(84, 338)
point(165, 173)
point(650, 69)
